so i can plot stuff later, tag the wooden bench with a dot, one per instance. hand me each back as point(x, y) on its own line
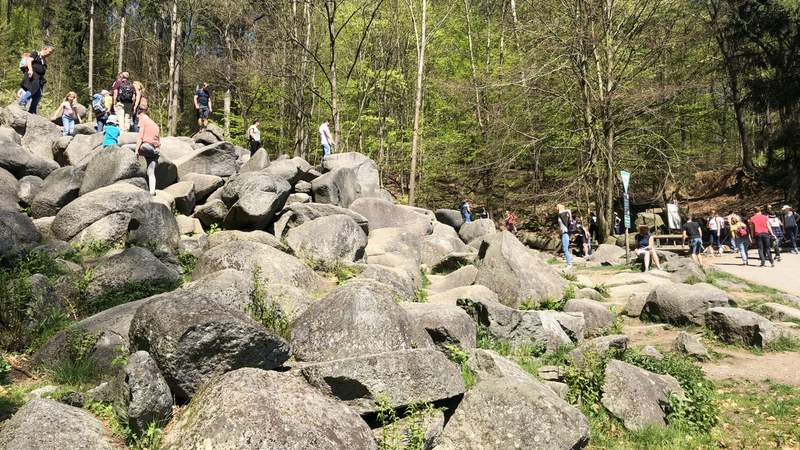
point(670, 242)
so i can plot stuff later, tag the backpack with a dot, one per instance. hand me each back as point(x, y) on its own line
point(742, 231)
point(126, 92)
point(98, 105)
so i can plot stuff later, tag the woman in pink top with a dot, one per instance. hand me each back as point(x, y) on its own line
point(148, 144)
point(68, 116)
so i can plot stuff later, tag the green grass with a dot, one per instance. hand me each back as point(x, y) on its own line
point(553, 260)
point(267, 311)
point(11, 399)
point(784, 343)
point(188, 263)
point(460, 357)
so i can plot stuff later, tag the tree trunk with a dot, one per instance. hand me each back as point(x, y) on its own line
point(9, 10)
point(474, 71)
point(121, 49)
point(91, 56)
point(226, 111)
point(175, 31)
point(421, 43)
point(331, 13)
point(514, 19)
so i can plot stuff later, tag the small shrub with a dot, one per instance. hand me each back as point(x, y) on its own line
point(266, 311)
point(619, 322)
point(99, 248)
point(460, 357)
point(408, 434)
point(586, 380)
point(128, 293)
point(213, 229)
point(528, 305)
point(603, 290)
point(569, 276)
point(188, 263)
point(5, 371)
point(75, 368)
point(421, 296)
point(552, 304)
point(569, 292)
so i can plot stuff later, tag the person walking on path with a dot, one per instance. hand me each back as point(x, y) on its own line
point(37, 68)
point(67, 113)
point(123, 97)
point(646, 246)
point(694, 234)
point(466, 212)
point(741, 237)
point(510, 225)
point(325, 138)
point(565, 226)
point(111, 132)
point(202, 103)
point(759, 227)
point(776, 226)
point(254, 137)
point(790, 220)
point(715, 227)
point(147, 144)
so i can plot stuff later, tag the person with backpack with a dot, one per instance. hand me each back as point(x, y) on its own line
point(67, 113)
point(202, 103)
point(36, 70)
point(254, 137)
point(111, 132)
point(790, 221)
point(566, 226)
point(466, 212)
point(741, 237)
point(100, 107)
point(123, 98)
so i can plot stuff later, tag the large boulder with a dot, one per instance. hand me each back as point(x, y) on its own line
point(514, 273)
point(683, 304)
point(111, 229)
point(184, 195)
point(273, 265)
point(291, 170)
point(152, 225)
point(404, 284)
point(174, 148)
point(475, 293)
point(225, 236)
point(597, 315)
point(338, 187)
point(258, 161)
point(204, 184)
point(90, 208)
point(514, 412)
point(357, 319)
point(145, 392)
point(39, 136)
point(477, 229)
point(58, 189)
point(385, 214)
point(108, 167)
point(445, 324)
point(464, 276)
point(193, 338)
point(44, 424)
point(110, 329)
point(135, 265)
point(209, 135)
point(298, 214)
point(29, 186)
point(255, 210)
point(450, 217)
point(17, 232)
point(328, 241)
point(282, 412)
point(211, 213)
point(443, 253)
point(739, 326)
point(403, 378)
point(80, 150)
point(10, 190)
point(217, 159)
point(636, 396)
point(608, 254)
point(366, 172)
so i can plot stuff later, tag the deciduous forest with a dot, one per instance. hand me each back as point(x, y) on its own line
point(509, 103)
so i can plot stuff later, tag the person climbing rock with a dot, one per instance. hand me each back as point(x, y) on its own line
point(111, 132)
point(147, 144)
point(254, 137)
point(202, 104)
point(36, 70)
point(67, 113)
point(325, 138)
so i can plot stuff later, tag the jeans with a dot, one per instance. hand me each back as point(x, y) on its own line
point(742, 244)
point(764, 245)
point(36, 97)
point(100, 125)
point(69, 125)
point(791, 237)
point(467, 217)
point(696, 246)
point(326, 149)
point(565, 248)
point(25, 98)
point(715, 241)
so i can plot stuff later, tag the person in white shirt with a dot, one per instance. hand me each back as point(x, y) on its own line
point(254, 136)
point(325, 138)
point(715, 226)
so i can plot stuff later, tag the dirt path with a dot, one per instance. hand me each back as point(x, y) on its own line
point(785, 276)
point(740, 364)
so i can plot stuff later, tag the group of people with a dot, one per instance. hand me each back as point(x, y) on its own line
point(572, 228)
point(766, 228)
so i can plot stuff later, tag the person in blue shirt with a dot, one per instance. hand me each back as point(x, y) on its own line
point(202, 103)
point(111, 133)
point(646, 245)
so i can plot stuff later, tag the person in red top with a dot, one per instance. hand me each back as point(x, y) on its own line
point(510, 226)
point(148, 144)
point(760, 229)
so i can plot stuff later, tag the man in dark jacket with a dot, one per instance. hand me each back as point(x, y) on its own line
point(37, 68)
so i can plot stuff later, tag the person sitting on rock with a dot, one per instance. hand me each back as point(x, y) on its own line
point(646, 246)
point(111, 132)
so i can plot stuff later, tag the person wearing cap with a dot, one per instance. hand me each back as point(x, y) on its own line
point(111, 131)
point(790, 219)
